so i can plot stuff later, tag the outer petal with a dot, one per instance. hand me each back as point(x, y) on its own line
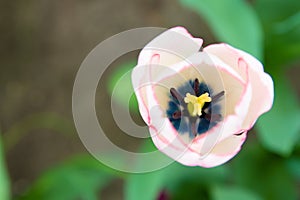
point(141, 80)
point(261, 83)
point(223, 151)
point(231, 57)
point(160, 52)
point(172, 46)
point(219, 154)
point(262, 96)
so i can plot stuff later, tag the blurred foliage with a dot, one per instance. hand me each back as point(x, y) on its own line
point(4, 181)
point(281, 26)
point(233, 193)
point(293, 166)
point(266, 174)
point(175, 178)
point(279, 128)
point(82, 177)
point(234, 22)
point(255, 174)
point(178, 180)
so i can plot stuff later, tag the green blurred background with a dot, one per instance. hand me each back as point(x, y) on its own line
point(42, 46)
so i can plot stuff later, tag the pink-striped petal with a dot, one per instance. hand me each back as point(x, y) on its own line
point(261, 83)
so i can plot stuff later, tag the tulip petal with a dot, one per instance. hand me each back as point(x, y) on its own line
point(230, 56)
point(223, 151)
point(173, 46)
point(219, 154)
point(161, 52)
point(237, 93)
point(262, 97)
point(142, 84)
point(261, 83)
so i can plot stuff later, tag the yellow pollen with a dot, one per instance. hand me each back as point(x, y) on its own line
point(195, 104)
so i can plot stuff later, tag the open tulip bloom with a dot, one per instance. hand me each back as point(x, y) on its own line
point(199, 103)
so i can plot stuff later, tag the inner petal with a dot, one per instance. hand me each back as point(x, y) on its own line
point(173, 79)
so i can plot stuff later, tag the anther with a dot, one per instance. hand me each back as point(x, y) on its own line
point(196, 87)
point(193, 127)
point(176, 115)
point(212, 117)
point(175, 94)
point(217, 96)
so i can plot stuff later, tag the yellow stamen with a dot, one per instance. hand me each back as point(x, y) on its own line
point(195, 104)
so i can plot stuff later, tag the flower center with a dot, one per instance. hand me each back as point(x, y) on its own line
point(191, 108)
point(195, 104)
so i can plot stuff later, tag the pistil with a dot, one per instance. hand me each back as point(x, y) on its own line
point(195, 104)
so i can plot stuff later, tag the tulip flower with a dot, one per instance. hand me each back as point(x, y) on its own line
point(199, 103)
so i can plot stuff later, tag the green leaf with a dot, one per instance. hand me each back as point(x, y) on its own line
point(4, 180)
point(80, 178)
point(171, 178)
point(293, 166)
point(147, 184)
point(193, 182)
point(281, 23)
point(233, 193)
point(233, 22)
point(266, 174)
point(190, 189)
point(120, 86)
point(279, 129)
point(144, 186)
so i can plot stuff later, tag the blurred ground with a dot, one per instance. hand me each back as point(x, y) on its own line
point(42, 46)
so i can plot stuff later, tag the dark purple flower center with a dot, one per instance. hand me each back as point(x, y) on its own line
point(179, 112)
